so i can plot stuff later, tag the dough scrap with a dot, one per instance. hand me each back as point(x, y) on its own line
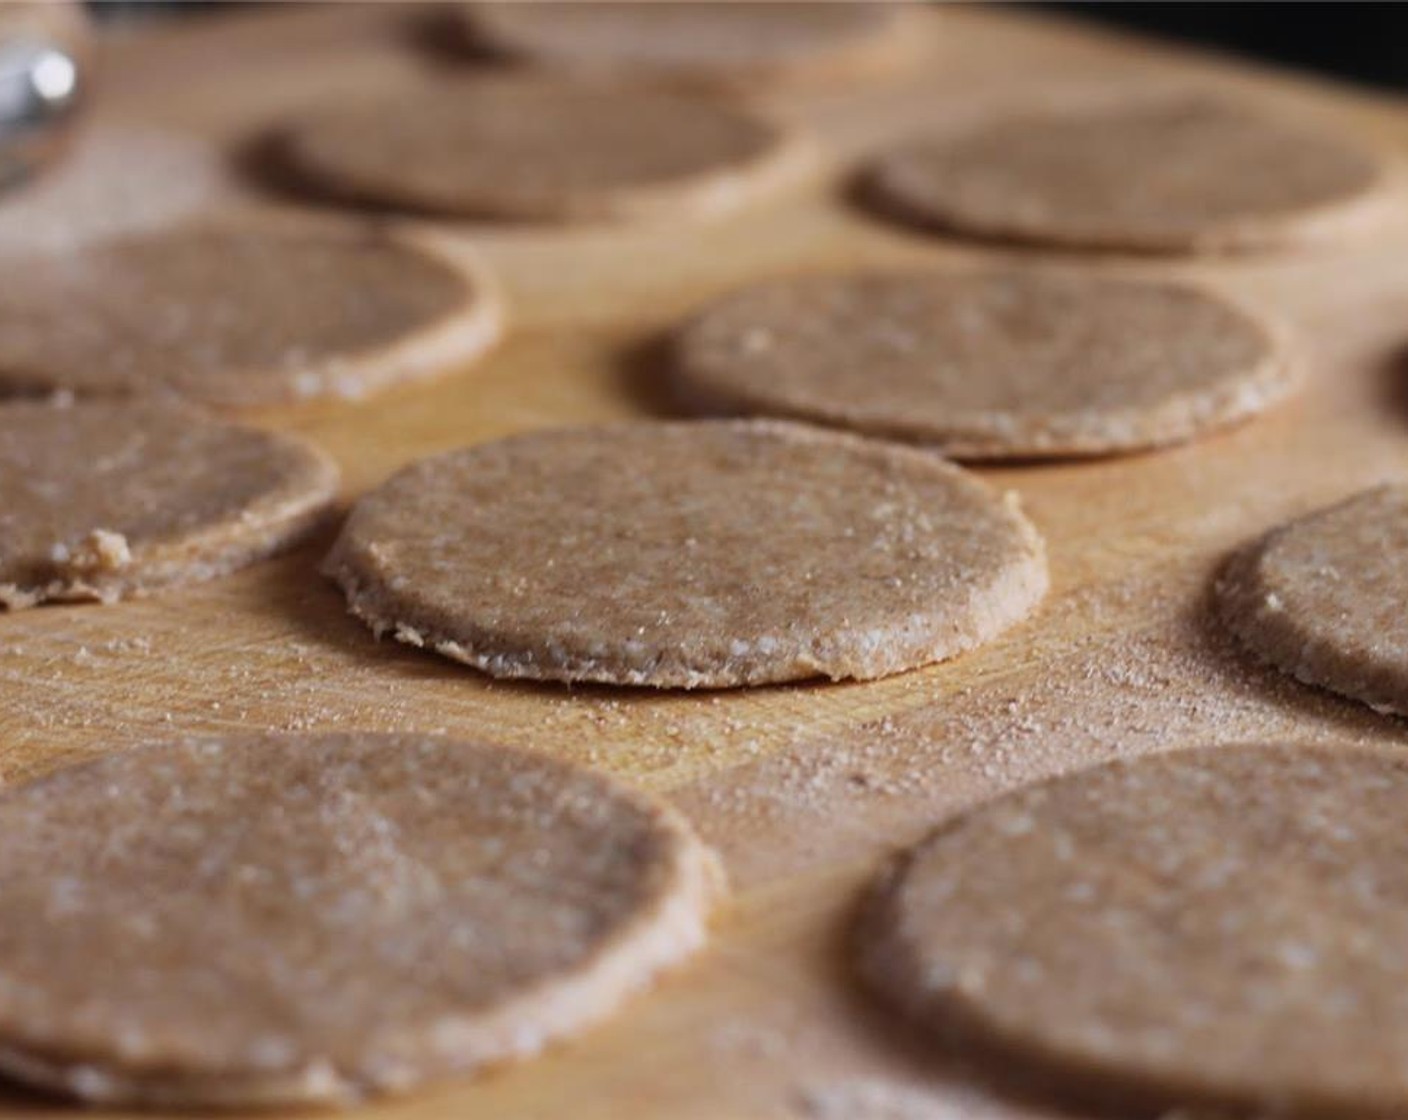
point(1171, 175)
point(728, 44)
point(266, 919)
point(1223, 927)
point(532, 150)
point(1321, 598)
point(107, 499)
point(241, 315)
point(986, 365)
point(689, 555)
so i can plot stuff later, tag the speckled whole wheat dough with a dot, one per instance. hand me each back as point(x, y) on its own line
point(689, 555)
point(1224, 927)
point(533, 150)
point(1170, 174)
point(263, 919)
point(729, 44)
point(241, 315)
point(985, 365)
point(1321, 598)
point(106, 499)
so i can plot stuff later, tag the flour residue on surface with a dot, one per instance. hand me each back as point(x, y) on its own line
point(115, 180)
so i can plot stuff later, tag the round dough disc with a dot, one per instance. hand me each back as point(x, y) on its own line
point(241, 316)
point(105, 499)
point(1167, 175)
point(709, 555)
point(985, 365)
point(260, 920)
point(525, 149)
point(699, 42)
point(1223, 927)
point(1322, 598)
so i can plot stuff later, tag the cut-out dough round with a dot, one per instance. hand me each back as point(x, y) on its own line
point(524, 149)
point(261, 920)
point(988, 364)
point(1162, 175)
point(707, 554)
point(106, 499)
point(709, 43)
point(1321, 598)
point(1224, 927)
point(241, 316)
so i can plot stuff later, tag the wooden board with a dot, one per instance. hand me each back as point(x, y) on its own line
point(803, 789)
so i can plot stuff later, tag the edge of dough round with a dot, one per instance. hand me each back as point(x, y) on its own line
point(887, 961)
point(277, 522)
point(428, 352)
point(791, 157)
point(992, 435)
point(887, 48)
point(1256, 615)
point(437, 350)
point(1322, 225)
point(1009, 597)
point(660, 937)
point(1317, 227)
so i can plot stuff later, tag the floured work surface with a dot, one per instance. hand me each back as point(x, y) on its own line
point(802, 788)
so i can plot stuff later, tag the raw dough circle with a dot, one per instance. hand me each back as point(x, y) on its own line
point(260, 920)
point(707, 43)
point(105, 499)
point(1166, 175)
point(525, 149)
point(1222, 927)
point(985, 365)
point(1322, 598)
point(708, 554)
point(241, 315)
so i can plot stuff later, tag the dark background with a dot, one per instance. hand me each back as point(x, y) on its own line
point(1367, 43)
point(1363, 42)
